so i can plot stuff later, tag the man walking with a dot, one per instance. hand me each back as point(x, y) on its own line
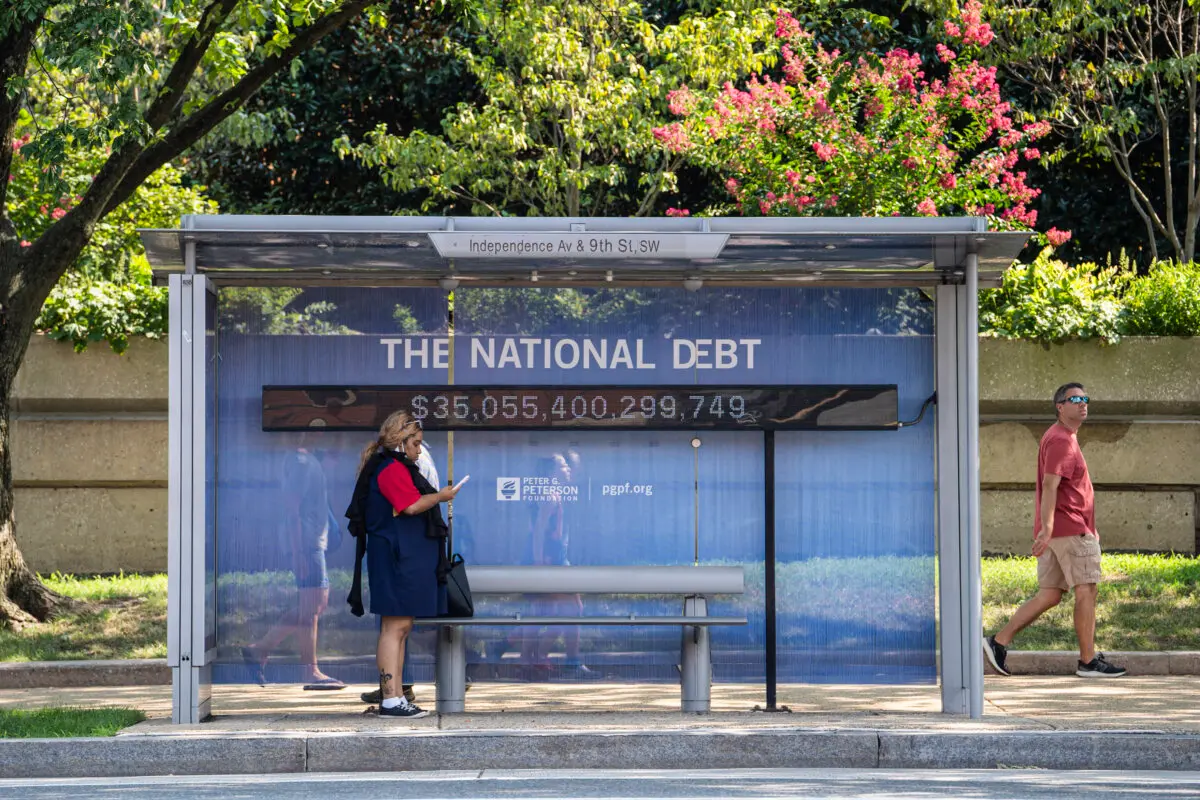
point(1065, 540)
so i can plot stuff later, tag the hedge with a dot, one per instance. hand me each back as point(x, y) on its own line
point(1046, 301)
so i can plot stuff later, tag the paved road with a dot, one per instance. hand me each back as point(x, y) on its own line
point(629, 784)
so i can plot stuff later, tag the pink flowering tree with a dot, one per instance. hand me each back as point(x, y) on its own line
point(870, 136)
point(114, 251)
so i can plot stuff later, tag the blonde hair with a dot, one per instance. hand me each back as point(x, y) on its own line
point(392, 434)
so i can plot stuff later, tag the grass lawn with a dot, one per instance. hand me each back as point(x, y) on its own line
point(127, 619)
point(1146, 603)
point(54, 723)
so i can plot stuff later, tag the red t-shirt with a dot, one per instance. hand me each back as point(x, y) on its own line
point(396, 485)
point(1075, 506)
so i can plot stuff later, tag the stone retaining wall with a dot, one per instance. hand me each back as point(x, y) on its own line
point(1142, 440)
point(90, 447)
point(89, 439)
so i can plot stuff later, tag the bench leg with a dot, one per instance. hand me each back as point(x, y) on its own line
point(696, 669)
point(451, 669)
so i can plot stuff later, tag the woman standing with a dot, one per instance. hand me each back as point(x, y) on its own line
point(403, 549)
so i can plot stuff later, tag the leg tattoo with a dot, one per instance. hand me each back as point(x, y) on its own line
point(385, 684)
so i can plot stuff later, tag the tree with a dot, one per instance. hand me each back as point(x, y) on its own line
point(278, 157)
point(1123, 76)
point(572, 92)
point(159, 74)
point(852, 135)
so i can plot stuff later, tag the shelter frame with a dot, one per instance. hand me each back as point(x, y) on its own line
point(950, 257)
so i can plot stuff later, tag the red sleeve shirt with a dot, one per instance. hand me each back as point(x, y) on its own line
point(397, 486)
point(1075, 507)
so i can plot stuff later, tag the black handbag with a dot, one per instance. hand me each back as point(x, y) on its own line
point(459, 602)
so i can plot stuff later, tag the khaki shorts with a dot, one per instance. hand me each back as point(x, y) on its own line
point(1069, 561)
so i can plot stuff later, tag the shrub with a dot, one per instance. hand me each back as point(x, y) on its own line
point(852, 135)
point(1165, 302)
point(1051, 301)
point(83, 311)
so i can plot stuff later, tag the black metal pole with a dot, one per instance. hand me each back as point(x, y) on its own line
point(769, 560)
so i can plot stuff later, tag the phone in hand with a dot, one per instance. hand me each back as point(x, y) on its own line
point(459, 485)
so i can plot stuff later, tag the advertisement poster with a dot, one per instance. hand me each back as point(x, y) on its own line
point(855, 538)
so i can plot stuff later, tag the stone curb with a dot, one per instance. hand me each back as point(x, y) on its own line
point(65, 674)
point(184, 754)
point(155, 672)
point(1059, 662)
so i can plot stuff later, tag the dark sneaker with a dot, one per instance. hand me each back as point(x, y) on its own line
point(997, 655)
point(1099, 667)
point(376, 697)
point(406, 710)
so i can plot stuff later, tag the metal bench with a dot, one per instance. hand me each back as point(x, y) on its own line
point(694, 583)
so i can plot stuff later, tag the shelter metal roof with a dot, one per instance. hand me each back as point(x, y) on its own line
point(416, 251)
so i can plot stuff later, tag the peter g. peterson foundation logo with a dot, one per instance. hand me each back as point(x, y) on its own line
point(508, 490)
point(534, 490)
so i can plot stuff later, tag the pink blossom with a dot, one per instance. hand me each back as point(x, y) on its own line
point(43, 210)
point(927, 208)
point(764, 207)
point(1032, 153)
point(731, 186)
point(678, 212)
point(825, 152)
point(1058, 238)
point(973, 30)
point(1011, 138)
point(26, 243)
point(786, 26)
point(1019, 213)
point(674, 136)
point(58, 213)
point(948, 181)
point(681, 101)
point(1036, 130)
point(832, 201)
point(792, 177)
point(910, 163)
point(945, 53)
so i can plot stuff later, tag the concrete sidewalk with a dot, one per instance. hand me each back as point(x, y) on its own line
point(154, 671)
point(1150, 722)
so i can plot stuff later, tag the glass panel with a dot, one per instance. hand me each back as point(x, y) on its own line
point(310, 336)
point(588, 496)
point(855, 527)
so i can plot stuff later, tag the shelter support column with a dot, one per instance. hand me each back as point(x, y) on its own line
point(187, 656)
point(696, 667)
point(451, 669)
point(959, 544)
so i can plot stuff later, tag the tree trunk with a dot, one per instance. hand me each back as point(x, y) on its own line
point(24, 599)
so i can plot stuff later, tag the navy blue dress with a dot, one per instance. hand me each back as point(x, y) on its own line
point(401, 560)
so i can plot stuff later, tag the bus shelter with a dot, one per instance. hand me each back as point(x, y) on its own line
point(795, 396)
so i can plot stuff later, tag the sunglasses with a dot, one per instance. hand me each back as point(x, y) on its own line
point(1077, 399)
